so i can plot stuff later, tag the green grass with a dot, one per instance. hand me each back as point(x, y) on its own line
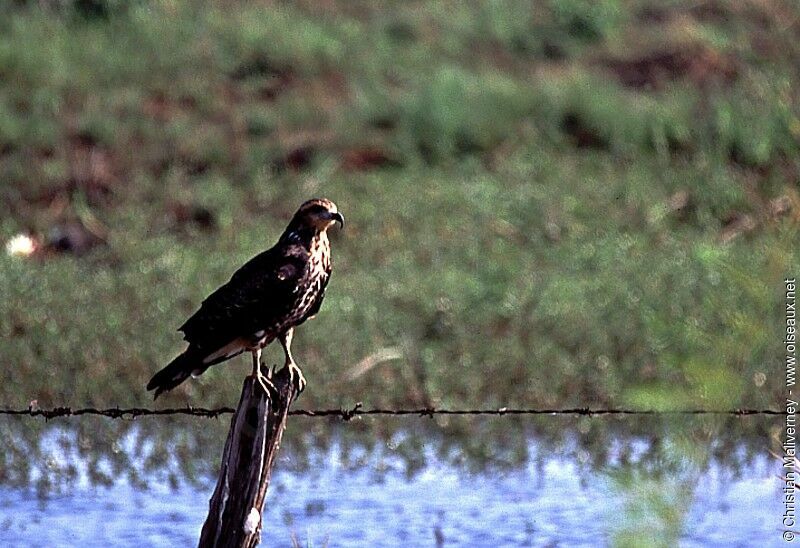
point(512, 230)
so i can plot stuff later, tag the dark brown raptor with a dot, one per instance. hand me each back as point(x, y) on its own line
point(264, 300)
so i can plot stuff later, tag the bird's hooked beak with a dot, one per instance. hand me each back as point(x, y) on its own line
point(339, 218)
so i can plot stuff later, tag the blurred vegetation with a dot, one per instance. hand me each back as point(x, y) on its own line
point(570, 203)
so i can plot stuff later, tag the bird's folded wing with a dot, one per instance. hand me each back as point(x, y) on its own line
point(257, 296)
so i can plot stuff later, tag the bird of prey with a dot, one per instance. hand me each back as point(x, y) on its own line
point(264, 300)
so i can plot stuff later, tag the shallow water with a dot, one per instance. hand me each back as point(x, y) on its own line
point(550, 501)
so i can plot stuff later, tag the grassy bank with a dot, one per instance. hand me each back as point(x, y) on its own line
point(582, 203)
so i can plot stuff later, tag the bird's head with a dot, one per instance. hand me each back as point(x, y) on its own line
point(319, 213)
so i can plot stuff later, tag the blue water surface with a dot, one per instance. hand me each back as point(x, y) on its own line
point(551, 502)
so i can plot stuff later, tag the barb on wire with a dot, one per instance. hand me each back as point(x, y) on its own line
point(357, 411)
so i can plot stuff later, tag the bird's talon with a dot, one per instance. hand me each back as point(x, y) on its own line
point(268, 386)
point(296, 377)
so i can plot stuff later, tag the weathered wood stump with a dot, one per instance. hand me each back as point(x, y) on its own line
point(236, 507)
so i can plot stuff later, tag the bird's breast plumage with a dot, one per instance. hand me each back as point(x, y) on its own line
point(310, 288)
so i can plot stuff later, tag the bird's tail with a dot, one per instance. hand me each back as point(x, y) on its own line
point(181, 368)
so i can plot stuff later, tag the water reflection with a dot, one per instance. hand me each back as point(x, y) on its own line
point(521, 481)
point(45, 455)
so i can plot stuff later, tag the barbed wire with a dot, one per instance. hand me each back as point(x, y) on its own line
point(358, 410)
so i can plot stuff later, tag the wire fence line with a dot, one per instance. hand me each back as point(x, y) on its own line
point(358, 411)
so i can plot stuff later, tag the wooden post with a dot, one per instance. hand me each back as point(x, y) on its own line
point(236, 507)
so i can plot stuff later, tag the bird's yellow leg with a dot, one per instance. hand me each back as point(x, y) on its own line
point(295, 373)
point(266, 383)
